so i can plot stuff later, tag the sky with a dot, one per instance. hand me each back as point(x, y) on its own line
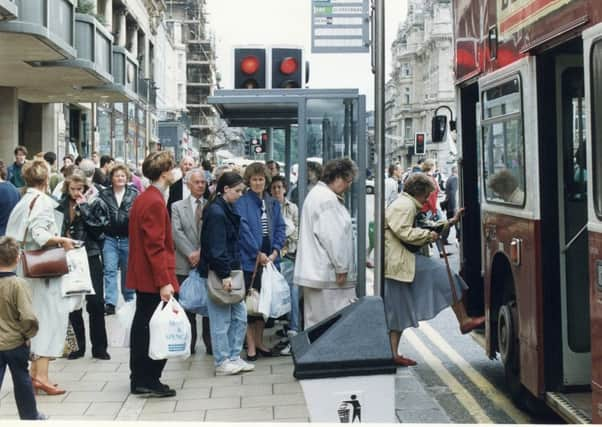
point(288, 22)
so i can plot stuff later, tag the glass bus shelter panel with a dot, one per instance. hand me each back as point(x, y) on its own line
point(331, 131)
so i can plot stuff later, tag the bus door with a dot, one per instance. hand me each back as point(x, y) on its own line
point(573, 236)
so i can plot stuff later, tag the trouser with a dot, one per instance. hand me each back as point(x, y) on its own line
point(115, 255)
point(17, 359)
point(228, 328)
point(288, 270)
point(144, 371)
point(206, 332)
point(96, 313)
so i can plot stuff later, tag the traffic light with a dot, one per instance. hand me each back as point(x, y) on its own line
point(439, 123)
point(264, 142)
point(256, 147)
point(419, 144)
point(249, 68)
point(287, 67)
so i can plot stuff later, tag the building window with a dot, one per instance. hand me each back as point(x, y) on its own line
point(406, 95)
point(407, 126)
point(406, 71)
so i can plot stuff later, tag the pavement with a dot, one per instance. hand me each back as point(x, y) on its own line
point(99, 390)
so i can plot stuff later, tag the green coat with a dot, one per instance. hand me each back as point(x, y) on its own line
point(400, 263)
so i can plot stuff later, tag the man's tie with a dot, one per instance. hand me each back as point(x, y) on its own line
point(198, 214)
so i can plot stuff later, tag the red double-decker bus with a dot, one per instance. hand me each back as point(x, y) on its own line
point(529, 91)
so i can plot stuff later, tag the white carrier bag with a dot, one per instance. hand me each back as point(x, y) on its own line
point(170, 332)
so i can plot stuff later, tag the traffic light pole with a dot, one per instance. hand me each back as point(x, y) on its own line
point(378, 46)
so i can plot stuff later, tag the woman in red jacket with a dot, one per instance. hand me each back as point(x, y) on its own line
point(151, 269)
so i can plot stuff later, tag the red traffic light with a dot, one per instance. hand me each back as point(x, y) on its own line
point(288, 65)
point(249, 65)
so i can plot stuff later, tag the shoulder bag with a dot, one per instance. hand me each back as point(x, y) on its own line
point(215, 288)
point(252, 297)
point(45, 262)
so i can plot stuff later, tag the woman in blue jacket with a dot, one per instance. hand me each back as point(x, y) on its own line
point(221, 254)
point(262, 236)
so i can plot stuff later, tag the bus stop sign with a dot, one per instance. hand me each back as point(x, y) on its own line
point(340, 26)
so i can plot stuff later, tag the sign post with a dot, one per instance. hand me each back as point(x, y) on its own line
point(340, 26)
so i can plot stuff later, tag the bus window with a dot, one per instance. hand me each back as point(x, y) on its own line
point(503, 144)
point(596, 89)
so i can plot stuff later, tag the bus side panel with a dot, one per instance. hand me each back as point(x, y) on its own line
point(595, 262)
point(499, 230)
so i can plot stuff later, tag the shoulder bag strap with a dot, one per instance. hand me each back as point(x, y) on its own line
point(31, 205)
point(255, 271)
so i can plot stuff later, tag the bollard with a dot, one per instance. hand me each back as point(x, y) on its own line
point(345, 365)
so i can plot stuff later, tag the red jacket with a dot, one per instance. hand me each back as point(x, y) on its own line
point(152, 258)
point(431, 202)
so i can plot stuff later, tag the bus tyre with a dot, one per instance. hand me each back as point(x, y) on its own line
point(508, 347)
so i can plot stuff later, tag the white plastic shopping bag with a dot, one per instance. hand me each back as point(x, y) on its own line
point(265, 295)
point(78, 281)
point(120, 325)
point(281, 293)
point(170, 332)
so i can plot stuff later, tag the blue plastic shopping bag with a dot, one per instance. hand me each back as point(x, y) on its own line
point(193, 294)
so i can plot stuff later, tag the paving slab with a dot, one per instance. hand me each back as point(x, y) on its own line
point(290, 411)
point(242, 390)
point(242, 414)
point(213, 403)
point(272, 400)
point(157, 406)
point(107, 410)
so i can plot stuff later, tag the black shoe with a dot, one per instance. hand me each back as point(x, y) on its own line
point(75, 355)
point(281, 333)
point(138, 389)
point(265, 353)
point(101, 356)
point(162, 390)
point(252, 358)
point(109, 309)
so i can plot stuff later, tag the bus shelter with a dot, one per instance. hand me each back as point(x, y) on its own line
point(318, 125)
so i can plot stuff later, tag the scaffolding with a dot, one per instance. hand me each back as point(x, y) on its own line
point(201, 70)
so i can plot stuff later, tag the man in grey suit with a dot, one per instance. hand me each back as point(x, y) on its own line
point(186, 221)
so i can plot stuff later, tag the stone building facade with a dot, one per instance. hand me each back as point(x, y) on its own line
point(421, 82)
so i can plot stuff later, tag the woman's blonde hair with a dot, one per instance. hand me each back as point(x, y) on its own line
point(428, 165)
point(36, 173)
point(77, 177)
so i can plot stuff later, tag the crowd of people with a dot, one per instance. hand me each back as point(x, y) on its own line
point(146, 230)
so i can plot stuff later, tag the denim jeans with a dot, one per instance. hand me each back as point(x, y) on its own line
point(17, 360)
point(115, 256)
point(228, 325)
point(287, 267)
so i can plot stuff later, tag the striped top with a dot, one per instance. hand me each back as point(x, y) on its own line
point(264, 219)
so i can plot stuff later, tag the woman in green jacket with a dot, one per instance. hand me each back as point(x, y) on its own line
point(416, 287)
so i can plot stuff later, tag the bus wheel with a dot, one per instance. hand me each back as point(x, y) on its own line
point(508, 346)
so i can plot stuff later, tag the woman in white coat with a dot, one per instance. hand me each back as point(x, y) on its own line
point(33, 222)
point(325, 265)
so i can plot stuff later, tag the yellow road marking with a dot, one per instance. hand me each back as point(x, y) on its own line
point(479, 380)
point(464, 397)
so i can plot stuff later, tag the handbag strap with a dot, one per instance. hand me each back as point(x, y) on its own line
point(449, 274)
point(254, 271)
point(31, 205)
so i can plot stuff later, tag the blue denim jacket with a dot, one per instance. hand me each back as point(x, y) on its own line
point(251, 237)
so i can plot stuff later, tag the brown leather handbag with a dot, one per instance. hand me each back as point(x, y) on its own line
point(45, 262)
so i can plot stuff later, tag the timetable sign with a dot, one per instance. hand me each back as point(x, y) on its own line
point(340, 26)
